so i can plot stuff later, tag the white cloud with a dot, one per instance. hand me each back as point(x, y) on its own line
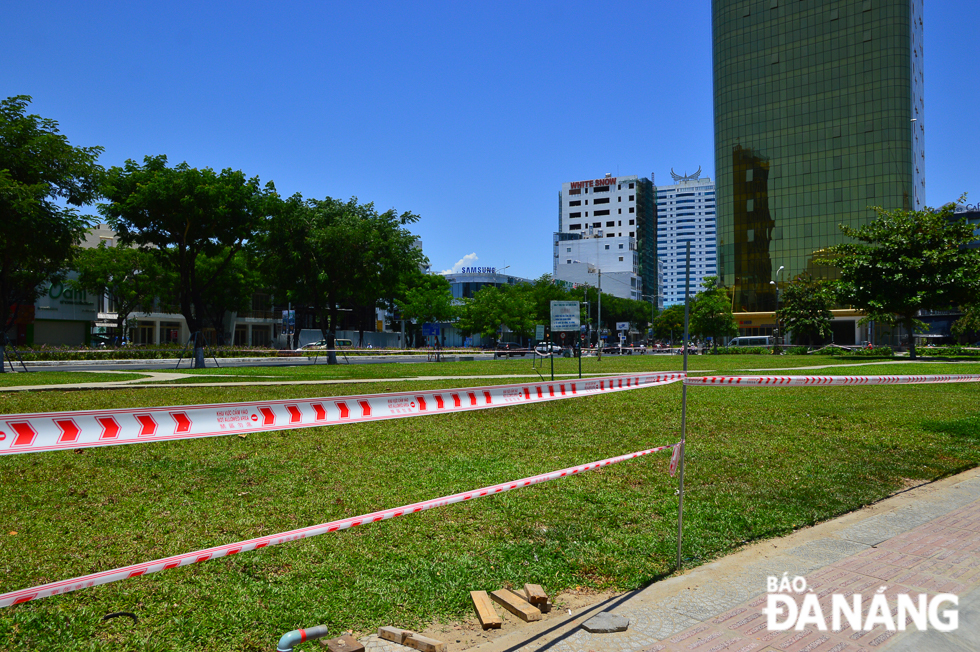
point(465, 261)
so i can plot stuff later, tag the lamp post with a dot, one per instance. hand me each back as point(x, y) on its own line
point(778, 326)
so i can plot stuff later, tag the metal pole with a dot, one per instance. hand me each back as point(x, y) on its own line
point(680, 482)
point(599, 314)
point(551, 351)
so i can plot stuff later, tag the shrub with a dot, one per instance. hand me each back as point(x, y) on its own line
point(743, 350)
point(798, 350)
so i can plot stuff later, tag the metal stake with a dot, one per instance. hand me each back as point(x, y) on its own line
point(680, 487)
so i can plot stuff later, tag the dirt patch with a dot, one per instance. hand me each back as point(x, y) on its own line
point(468, 633)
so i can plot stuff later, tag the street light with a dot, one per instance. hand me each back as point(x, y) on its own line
point(776, 285)
point(592, 270)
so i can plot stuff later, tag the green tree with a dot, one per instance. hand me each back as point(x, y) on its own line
point(132, 277)
point(711, 313)
point(904, 262)
point(670, 322)
point(428, 299)
point(330, 255)
point(43, 179)
point(805, 309)
point(183, 214)
point(235, 282)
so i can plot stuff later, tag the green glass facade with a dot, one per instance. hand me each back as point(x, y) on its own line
point(818, 115)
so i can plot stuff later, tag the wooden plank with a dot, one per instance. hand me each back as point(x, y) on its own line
point(535, 594)
point(394, 634)
point(520, 608)
point(484, 610)
point(345, 643)
point(425, 644)
point(546, 607)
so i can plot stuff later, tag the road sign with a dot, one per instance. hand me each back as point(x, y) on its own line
point(430, 330)
point(622, 325)
point(565, 316)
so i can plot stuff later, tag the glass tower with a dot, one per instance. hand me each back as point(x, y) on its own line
point(818, 115)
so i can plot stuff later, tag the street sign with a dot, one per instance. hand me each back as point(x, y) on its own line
point(430, 330)
point(539, 332)
point(622, 325)
point(566, 316)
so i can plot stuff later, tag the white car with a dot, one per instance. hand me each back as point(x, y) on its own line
point(320, 344)
point(543, 349)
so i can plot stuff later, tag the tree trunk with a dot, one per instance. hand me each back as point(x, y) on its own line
point(908, 327)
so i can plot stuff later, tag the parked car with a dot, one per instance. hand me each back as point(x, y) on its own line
point(545, 348)
point(507, 349)
point(320, 344)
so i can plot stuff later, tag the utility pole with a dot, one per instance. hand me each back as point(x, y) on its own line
point(599, 313)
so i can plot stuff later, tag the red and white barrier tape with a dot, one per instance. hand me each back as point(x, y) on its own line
point(32, 433)
point(813, 381)
point(95, 579)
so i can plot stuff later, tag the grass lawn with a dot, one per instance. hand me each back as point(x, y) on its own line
point(33, 377)
point(761, 462)
point(610, 364)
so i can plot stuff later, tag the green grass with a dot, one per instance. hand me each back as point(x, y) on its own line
point(18, 379)
point(761, 462)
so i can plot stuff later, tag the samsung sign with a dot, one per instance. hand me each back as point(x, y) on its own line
point(478, 270)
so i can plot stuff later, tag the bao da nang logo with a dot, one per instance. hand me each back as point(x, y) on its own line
point(785, 611)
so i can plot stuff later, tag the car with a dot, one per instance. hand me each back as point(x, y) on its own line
point(319, 344)
point(544, 348)
point(507, 349)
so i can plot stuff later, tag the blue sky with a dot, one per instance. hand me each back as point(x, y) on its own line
point(469, 115)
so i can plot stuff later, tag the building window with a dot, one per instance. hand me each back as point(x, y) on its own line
point(574, 227)
point(575, 191)
point(631, 210)
point(632, 197)
point(577, 202)
point(601, 200)
point(631, 186)
point(610, 235)
point(619, 211)
point(620, 246)
point(596, 225)
point(631, 234)
point(568, 250)
point(601, 189)
point(598, 213)
point(571, 215)
point(620, 259)
point(568, 262)
point(610, 224)
point(620, 198)
point(631, 222)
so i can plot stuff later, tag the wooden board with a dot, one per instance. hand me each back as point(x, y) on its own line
point(484, 610)
point(535, 594)
point(394, 634)
point(520, 608)
point(425, 644)
point(345, 643)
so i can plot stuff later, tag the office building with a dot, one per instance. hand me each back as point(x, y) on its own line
point(818, 109)
point(608, 224)
point(685, 214)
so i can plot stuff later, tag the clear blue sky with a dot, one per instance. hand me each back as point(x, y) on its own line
point(470, 116)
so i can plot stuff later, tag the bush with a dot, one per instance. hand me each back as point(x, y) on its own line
point(743, 350)
point(59, 353)
point(798, 350)
point(877, 352)
point(951, 350)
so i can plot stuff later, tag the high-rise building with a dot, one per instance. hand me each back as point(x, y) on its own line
point(608, 224)
point(818, 109)
point(685, 214)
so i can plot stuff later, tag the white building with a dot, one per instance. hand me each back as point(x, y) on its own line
point(607, 224)
point(685, 213)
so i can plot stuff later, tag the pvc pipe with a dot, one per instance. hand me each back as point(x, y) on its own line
point(297, 636)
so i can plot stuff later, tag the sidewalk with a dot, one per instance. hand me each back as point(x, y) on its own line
point(925, 540)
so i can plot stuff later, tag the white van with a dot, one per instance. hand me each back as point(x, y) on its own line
point(756, 340)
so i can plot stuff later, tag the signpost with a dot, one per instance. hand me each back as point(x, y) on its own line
point(566, 316)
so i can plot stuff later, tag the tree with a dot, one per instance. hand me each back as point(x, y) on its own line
point(235, 282)
point(39, 170)
point(133, 278)
point(805, 309)
point(904, 262)
point(711, 313)
point(181, 215)
point(669, 322)
point(329, 254)
point(428, 299)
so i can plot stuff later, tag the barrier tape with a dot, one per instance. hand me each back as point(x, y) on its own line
point(813, 381)
point(106, 577)
point(33, 433)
